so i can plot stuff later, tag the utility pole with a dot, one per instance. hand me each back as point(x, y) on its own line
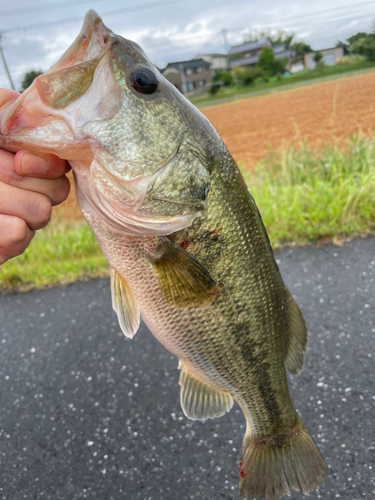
point(184, 86)
point(225, 36)
point(5, 65)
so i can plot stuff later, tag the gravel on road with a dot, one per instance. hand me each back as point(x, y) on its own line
point(87, 413)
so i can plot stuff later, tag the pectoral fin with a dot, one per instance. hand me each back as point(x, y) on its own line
point(199, 400)
point(183, 280)
point(296, 338)
point(124, 305)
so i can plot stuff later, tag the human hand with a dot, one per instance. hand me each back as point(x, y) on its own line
point(30, 185)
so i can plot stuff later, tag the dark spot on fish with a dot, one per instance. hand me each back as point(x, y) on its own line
point(126, 48)
point(134, 54)
point(184, 244)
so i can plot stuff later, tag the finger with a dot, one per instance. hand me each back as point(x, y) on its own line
point(57, 190)
point(15, 236)
point(34, 208)
point(6, 98)
point(40, 165)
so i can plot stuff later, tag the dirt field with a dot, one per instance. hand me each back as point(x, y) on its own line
point(318, 113)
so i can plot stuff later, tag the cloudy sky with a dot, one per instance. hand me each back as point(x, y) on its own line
point(35, 33)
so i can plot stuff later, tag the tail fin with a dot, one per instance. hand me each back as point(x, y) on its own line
point(270, 468)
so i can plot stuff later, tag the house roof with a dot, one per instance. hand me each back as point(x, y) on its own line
point(243, 47)
point(210, 55)
point(192, 63)
point(323, 50)
point(279, 48)
point(246, 61)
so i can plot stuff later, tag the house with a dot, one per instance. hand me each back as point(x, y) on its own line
point(247, 54)
point(330, 56)
point(189, 76)
point(218, 62)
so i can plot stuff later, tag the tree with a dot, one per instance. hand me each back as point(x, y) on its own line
point(28, 78)
point(267, 61)
point(246, 76)
point(223, 76)
point(356, 37)
point(300, 48)
point(364, 46)
point(344, 45)
point(318, 56)
point(276, 38)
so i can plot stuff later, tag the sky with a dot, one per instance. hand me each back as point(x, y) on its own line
point(34, 34)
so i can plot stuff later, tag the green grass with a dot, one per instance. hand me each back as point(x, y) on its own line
point(235, 90)
point(62, 252)
point(303, 194)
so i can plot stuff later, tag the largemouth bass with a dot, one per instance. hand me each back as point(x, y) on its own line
point(185, 242)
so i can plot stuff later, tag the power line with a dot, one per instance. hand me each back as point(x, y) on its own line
point(144, 7)
point(318, 12)
point(69, 20)
point(43, 7)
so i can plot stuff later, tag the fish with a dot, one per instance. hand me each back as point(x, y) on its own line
point(187, 248)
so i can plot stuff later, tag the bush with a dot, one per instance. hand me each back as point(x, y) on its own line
point(247, 76)
point(214, 89)
point(224, 77)
point(353, 59)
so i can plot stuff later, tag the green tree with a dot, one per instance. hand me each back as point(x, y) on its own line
point(246, 76)
point(300, 48)
point(344, 45)
point(28, 78)
point(356, 37)
point(364, 46)
point(267, 61)
point(318, 56)
point(223, 76)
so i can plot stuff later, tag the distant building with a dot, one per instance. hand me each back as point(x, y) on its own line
point(189, 76)
point(247, 54)
point(218, 62)
point(330, 56)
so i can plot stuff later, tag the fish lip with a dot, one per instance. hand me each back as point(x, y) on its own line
point(91, 19)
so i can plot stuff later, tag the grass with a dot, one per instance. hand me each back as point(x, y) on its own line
point(303, 193)
point(235, 90)
point(61, 253)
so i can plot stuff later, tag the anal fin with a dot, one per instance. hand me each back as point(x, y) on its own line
point(296, 340)
point(199, 400)
point(124, 305)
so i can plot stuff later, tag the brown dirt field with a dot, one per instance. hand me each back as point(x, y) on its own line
point(318, 113)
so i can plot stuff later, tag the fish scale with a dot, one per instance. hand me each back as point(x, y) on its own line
point(185, 242)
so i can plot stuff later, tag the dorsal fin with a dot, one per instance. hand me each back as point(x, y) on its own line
point(296, 337)
point(199, 400)
point(124, 305)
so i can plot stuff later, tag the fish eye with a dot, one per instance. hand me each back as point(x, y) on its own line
point(144, 81)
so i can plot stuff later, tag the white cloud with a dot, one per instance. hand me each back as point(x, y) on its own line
point(177, 31)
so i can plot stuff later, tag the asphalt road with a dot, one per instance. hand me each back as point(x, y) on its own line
point(86, 413)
